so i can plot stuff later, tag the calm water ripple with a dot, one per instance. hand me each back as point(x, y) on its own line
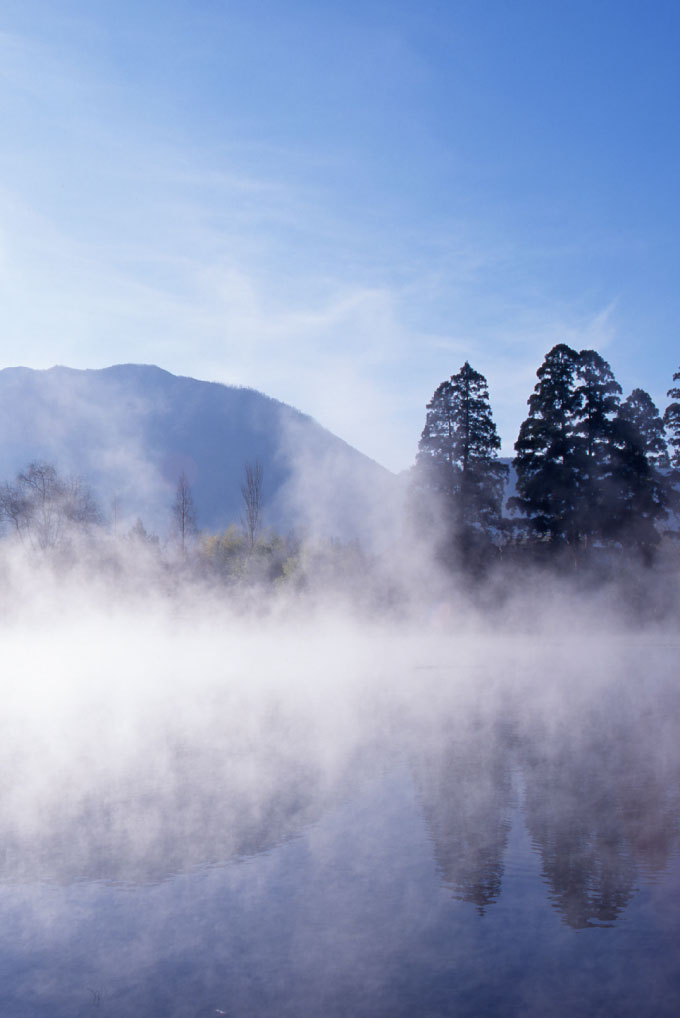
point(473, 857)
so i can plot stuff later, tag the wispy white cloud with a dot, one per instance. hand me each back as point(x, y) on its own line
point(353, 355)
point(236, 263)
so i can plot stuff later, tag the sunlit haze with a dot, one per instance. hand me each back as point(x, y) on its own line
point(313, 705)
point(340, 204)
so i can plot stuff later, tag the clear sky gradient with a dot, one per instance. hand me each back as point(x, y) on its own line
point(340, 203)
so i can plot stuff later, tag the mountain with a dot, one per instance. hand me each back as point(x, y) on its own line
point(130, 430)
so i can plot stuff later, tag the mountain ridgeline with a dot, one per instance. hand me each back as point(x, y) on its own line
point(245, 486)
point(131, 431)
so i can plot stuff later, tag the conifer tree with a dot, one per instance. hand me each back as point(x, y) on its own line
point(566, 448)
point(548, 450)
point(671, 420)
point(640, 482)
point(458, 460)
point(597, 405)
point(639, 410)
point(435, 457)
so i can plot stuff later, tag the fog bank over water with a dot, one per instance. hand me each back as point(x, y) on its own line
point(306, 788)
point(105, 684)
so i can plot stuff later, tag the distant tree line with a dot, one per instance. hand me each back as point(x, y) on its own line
point(593, 472)
point(594, 475)
point(59, 516)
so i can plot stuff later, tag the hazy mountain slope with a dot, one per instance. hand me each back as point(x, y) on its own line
point(130, 430)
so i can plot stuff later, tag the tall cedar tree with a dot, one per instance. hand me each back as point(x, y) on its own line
point(641, 486)
point(457, 460)
point(587, 467)
point(548, 457)
point(640, 410)
point(671, 420)
point(596, 409)
point(565, 448)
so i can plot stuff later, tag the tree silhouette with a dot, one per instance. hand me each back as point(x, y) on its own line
point(671, 420)
point(568, 454)
point(458, 462)
point(251, 492)
point(548, 450)
point(596, 408)
point(45, 508)
point(184, 511)
point(641, 487)
point(640, 410)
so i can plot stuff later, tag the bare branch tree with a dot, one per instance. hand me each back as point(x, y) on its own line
point(15, 508)
point(251, 490)
point(46, 507)
point(115, 510)
point(184, 511)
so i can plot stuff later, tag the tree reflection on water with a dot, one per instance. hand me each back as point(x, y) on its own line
point(599, 789)
point(262, 853)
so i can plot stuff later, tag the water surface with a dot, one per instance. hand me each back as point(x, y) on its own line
point(491, 832)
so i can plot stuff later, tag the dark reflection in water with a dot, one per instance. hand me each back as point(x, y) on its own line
point(602, 801)
point(576, 824)
point(465, 791)
point(600, 791)
point(465, 849)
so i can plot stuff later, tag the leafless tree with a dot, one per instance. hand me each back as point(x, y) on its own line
point(115, 512)
point(15, 508)
point(251, 490)
point(43, 507)
point(184, 510)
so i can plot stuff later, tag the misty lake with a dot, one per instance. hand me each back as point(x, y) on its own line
point(491, 830)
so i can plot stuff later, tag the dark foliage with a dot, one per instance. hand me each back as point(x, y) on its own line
point(671, 420)
point(548, 450)
point(640, 482)
point(458, 465)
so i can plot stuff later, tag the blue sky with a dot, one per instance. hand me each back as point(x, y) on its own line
point(339, 204)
